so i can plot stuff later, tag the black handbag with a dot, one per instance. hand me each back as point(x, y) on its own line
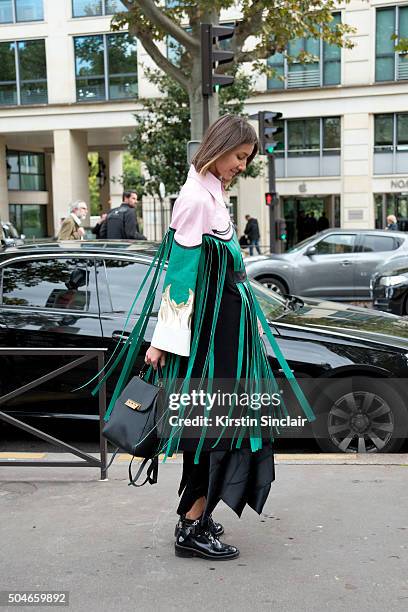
point(132, 425)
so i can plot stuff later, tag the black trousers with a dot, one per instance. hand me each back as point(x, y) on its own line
point(194, 480)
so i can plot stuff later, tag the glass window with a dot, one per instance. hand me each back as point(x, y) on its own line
point(385, 54)
point(375, 244)
point(29, 10)
point(121, 60)
point(114, 6)
point(402, 132)
point(384, 131)
point(336, 244)
point(277, 62)
point(67, 284)
point(8, 79)
point(33, 71)
point(89, 67)
point(6, 11)
point(332, 58)
point(29, 219)
point(309, 74)
point(86, 8)
point(21, 10)
point(303, 134)
point(26, 171)
point(32, 86)
point(121, 275)
point(331, 133)
point(89, 8)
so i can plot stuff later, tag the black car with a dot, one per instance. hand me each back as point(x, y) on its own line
point(78, 294)
point(389, 286)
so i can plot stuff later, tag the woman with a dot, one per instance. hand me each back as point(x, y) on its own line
point(208, 330)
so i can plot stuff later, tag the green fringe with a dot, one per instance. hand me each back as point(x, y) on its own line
point(249, 345)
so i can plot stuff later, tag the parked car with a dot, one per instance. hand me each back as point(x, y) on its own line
point(389, 286)
point(335, 264)
point(10, 236)
point(77, 294)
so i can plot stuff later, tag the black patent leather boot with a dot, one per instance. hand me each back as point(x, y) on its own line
point(196, 540)
point(216, 528)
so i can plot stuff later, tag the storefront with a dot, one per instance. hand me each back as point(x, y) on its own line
point(304, 216)
point(391, 200)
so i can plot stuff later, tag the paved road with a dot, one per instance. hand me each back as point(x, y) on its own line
point(332, 537)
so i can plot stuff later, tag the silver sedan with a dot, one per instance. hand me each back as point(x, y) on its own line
point(335, 264)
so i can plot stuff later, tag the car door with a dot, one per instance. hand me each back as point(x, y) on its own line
point(118, 285)
point(49, 302)
point(329, 271)
point(373, 249)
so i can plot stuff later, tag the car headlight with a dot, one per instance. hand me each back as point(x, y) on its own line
point(390, 281)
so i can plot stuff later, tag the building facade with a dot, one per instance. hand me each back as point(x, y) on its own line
point(70, 86)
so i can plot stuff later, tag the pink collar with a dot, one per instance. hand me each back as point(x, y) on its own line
point(210, 182)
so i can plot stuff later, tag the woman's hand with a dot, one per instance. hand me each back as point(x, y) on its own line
point(260, 329)
point(155, 356)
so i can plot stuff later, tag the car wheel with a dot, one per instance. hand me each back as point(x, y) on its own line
point(360, 416)
point(273, 284)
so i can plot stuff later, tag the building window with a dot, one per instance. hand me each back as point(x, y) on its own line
point(23, 72)
point(391, 143)
point(325, 71)
point(390, 65)
point(12, 11)
point(91, 8)
point(26, 171)
point(106, 67)
point(29, 219)
point(316, 142)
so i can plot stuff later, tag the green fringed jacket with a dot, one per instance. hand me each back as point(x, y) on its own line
point(201, 237)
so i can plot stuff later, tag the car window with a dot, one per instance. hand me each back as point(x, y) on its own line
point(54, 283)
point(335, 244)
point(374, 244)
point(123, 279)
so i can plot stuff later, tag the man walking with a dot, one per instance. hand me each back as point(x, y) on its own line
point(252, 232)
point(121, 222)
point(71, 226)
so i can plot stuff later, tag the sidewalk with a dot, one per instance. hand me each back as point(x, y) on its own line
point(333, 537)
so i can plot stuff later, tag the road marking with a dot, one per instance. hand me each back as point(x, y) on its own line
point(22, 455)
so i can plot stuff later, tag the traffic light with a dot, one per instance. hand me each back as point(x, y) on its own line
point(212, 56)
point(268, 131)
point(281, 231)
point(271, 198)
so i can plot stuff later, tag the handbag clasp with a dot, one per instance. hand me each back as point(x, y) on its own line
point(132, 404)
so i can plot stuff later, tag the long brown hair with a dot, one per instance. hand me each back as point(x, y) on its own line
point(228, 132)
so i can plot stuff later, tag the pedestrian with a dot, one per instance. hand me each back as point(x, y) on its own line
point(322, 222)
point(121, 222)
point(209, 329)
point(252, 232)
point(392, 224)
point(98, 227)
point(71, 228)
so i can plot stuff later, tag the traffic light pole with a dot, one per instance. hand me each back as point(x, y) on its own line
point(206, 113)
point(272, 208)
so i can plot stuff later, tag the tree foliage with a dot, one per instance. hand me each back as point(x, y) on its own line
point(163, 130)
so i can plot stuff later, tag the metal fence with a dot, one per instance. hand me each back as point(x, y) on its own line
point(84, 355)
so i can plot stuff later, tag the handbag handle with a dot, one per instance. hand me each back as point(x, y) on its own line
point(151, 473)
point(146, 366)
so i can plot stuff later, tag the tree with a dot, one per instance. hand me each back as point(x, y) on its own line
point(273, 22)
point(163, 130)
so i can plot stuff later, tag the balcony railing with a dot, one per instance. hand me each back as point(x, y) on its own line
point(402, 68)
point(304, 78)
